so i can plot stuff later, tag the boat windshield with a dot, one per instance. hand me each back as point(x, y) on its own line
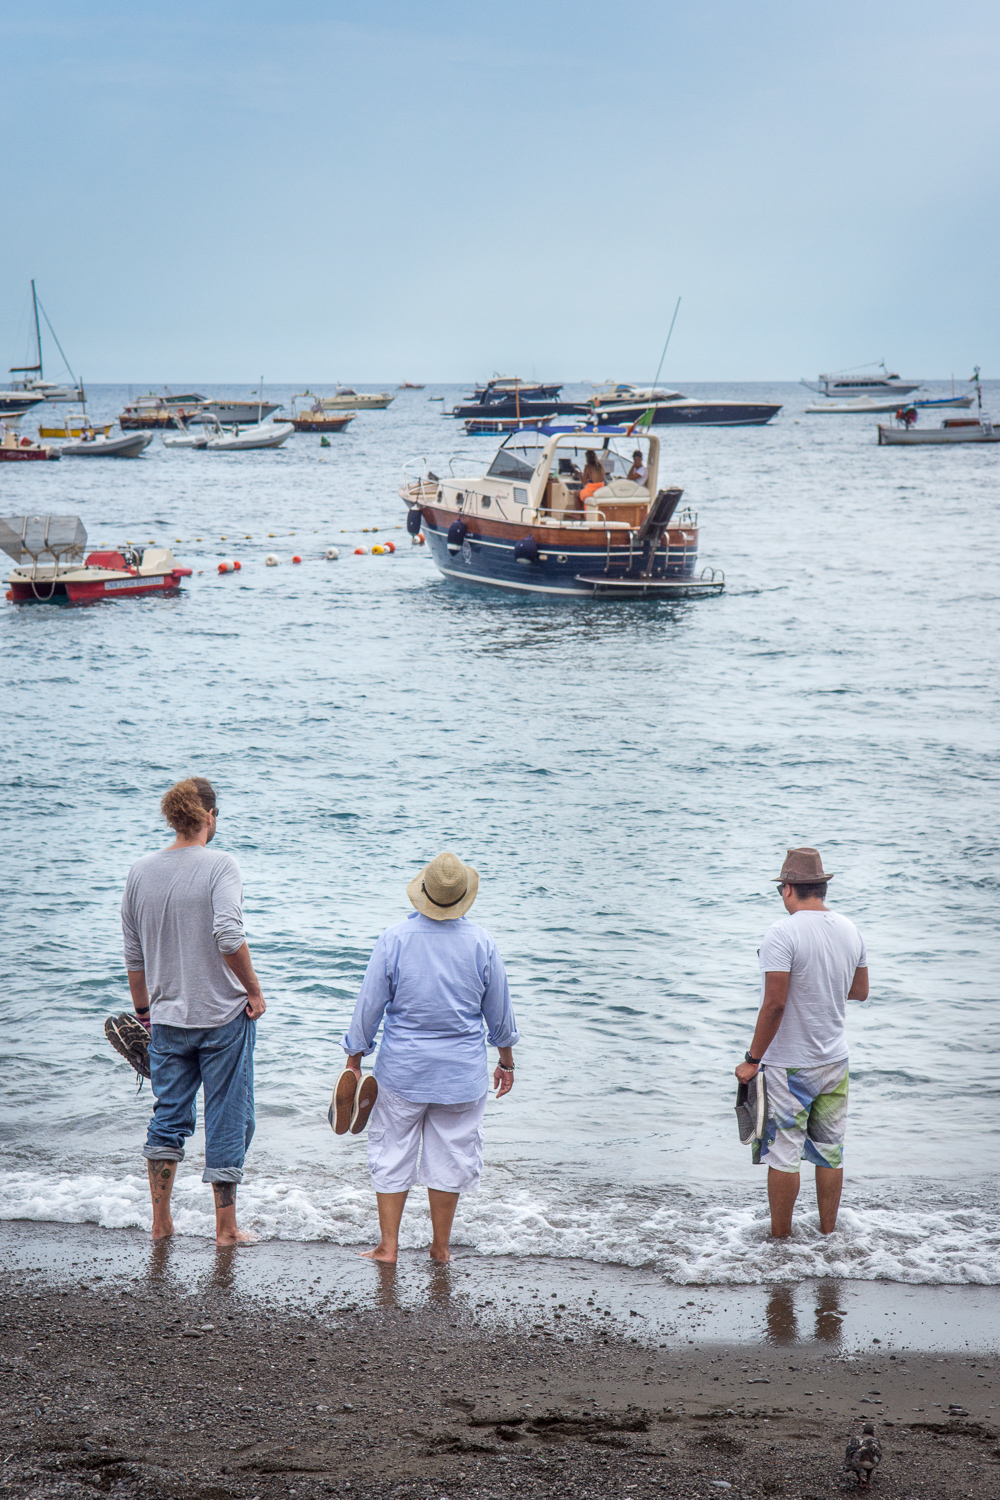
point(518, 457)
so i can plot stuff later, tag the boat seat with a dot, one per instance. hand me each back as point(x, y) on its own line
point(621, 489)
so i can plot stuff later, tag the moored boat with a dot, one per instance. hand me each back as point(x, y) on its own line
point(530, 523)
point(852, 383)
point(72, 427)
point(155, 411)
point(17, 449)
point(96, 445)
point(33, 376)
point(236, 413)
point(953, 430)
point(623, 404)
point(316, 418)
point(345, 398)
point(50, 567)
point(244, 439)
point(410, 385)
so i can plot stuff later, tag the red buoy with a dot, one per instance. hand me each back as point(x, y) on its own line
point(237, 565)
point(296, 558)
point(420, 538)
point(389, 546)
point(360, 551)
point(225, 567)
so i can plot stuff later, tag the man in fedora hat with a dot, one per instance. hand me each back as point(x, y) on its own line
point(439, 982)
point(811, 962)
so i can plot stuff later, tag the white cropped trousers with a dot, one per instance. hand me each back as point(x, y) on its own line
point(431, 1145)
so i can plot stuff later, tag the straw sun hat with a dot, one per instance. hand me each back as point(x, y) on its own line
point(444, 889)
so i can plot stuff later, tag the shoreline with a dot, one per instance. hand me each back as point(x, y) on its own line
point(839, 1315)
point(198, 1374)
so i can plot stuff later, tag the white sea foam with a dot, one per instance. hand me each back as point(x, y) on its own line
point(707, 1241)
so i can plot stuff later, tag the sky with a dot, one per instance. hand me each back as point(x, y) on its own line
point(436, 191)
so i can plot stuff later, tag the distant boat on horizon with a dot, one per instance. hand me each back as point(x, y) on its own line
point(850, 383)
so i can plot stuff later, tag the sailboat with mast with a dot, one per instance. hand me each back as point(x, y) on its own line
point(33, 380)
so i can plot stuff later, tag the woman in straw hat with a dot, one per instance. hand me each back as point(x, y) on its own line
point(439, 982)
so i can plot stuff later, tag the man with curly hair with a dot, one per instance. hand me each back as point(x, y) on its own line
point(194, 988)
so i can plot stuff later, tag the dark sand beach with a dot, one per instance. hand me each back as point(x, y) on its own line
point(183, 1372)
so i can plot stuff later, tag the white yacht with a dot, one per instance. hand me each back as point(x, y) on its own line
point(345, 398)
point(849, 384)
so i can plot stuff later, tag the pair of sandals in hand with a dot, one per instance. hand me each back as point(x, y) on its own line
point(352, 1103)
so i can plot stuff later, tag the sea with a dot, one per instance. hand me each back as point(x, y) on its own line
point(625, 776)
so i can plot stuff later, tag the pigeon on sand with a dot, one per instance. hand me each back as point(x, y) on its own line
point(864, 1454)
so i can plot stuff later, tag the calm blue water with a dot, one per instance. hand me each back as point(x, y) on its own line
point(625, 776)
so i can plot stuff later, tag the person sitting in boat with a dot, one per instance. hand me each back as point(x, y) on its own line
point(637, 473)
point(593, 476)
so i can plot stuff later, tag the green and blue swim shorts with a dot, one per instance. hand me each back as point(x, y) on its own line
point(806, 1117)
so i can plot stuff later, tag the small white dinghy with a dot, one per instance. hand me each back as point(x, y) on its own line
point(260, 435)
point(861, 406)
point(96, 445)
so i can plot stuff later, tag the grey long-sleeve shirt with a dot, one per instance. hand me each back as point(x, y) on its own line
point(182, 910)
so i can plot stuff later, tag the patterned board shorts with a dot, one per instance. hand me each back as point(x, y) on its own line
point(806, 1117)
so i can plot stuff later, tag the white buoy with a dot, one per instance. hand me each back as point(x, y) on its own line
point(270, 561)
point(332, 553)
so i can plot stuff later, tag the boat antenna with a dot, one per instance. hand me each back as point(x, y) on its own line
point(663, 356)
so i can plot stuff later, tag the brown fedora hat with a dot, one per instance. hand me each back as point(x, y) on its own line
point(802, 867)
point(444, 889)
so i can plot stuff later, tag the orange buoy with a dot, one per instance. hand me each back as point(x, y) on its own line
point(296, 558)
point(390, 546)
point(360, 551)
point(225, 567)
point(420, 538)
point(237, 565)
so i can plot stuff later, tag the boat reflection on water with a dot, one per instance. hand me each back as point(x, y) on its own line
point(533, 524)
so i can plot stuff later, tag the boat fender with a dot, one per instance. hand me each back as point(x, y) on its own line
point(456, 535)
point(296, 558)
point(332, 553)
point(526, 551)
point(414, 521)
point(270, 561)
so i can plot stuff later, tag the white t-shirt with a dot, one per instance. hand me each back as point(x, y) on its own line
point(820, 951)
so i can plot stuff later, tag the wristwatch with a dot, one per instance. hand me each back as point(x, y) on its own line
point(749, 1059)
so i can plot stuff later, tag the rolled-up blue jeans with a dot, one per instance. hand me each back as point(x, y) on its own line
point(181, 1060)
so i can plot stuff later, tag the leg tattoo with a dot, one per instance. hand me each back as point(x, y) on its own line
point(161, 1178)
point(225, 1194)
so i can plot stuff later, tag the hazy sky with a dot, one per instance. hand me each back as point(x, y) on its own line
point(428, 190)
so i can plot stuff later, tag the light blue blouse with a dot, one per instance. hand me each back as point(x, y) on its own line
point(436, 984)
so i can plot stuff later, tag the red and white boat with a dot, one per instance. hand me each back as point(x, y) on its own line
point(51, 567)
point(17, 449)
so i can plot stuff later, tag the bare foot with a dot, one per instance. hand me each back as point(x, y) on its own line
point(441, 1256)
point(238, 1237)
point(387, 1257)
point(163, 1231)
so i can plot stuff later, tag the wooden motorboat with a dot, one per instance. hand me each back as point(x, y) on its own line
point(315, 418)
point(50, 567)
point(17, 449)
point(242, 439)
point(530, 525)
point(155, 411)
point(95, 445)
point(346, 398)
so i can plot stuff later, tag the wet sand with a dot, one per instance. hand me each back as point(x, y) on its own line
point(299, 1370)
